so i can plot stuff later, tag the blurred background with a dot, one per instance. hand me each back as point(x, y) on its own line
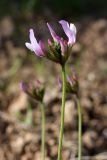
point(20, 116)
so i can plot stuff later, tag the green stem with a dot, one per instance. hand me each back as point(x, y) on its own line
point(43, 131)
point(62, 114)
point(79, 129)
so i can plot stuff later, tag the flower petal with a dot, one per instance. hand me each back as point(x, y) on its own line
point(70, 31)
point(41, 44)
point(34, 46)
point(63, 47)
point(29, 46)
point(53, 34)
point(73, 28)
point(32, 38)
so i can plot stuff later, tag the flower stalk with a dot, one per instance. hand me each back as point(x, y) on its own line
point(62, 113)
point(79, 129)
point(43, 131)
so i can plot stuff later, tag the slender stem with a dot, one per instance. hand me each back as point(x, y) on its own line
point(79, 129)
point(43, 132)
point(62, 113)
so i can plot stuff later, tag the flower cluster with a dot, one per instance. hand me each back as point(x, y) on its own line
point(58, 49)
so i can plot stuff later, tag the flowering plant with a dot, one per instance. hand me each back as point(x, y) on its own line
point(58, 50)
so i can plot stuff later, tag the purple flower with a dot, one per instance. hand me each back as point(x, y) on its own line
point(57, 50)
point(34, 46)
point(70, 31)
point(53, 34)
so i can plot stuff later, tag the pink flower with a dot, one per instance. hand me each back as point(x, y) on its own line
point(34, 45)
point(70, 31)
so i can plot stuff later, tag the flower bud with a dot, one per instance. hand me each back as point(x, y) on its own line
point(72, 85)
point(35, 90)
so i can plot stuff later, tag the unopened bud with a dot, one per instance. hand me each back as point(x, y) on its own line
point(35, 90)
